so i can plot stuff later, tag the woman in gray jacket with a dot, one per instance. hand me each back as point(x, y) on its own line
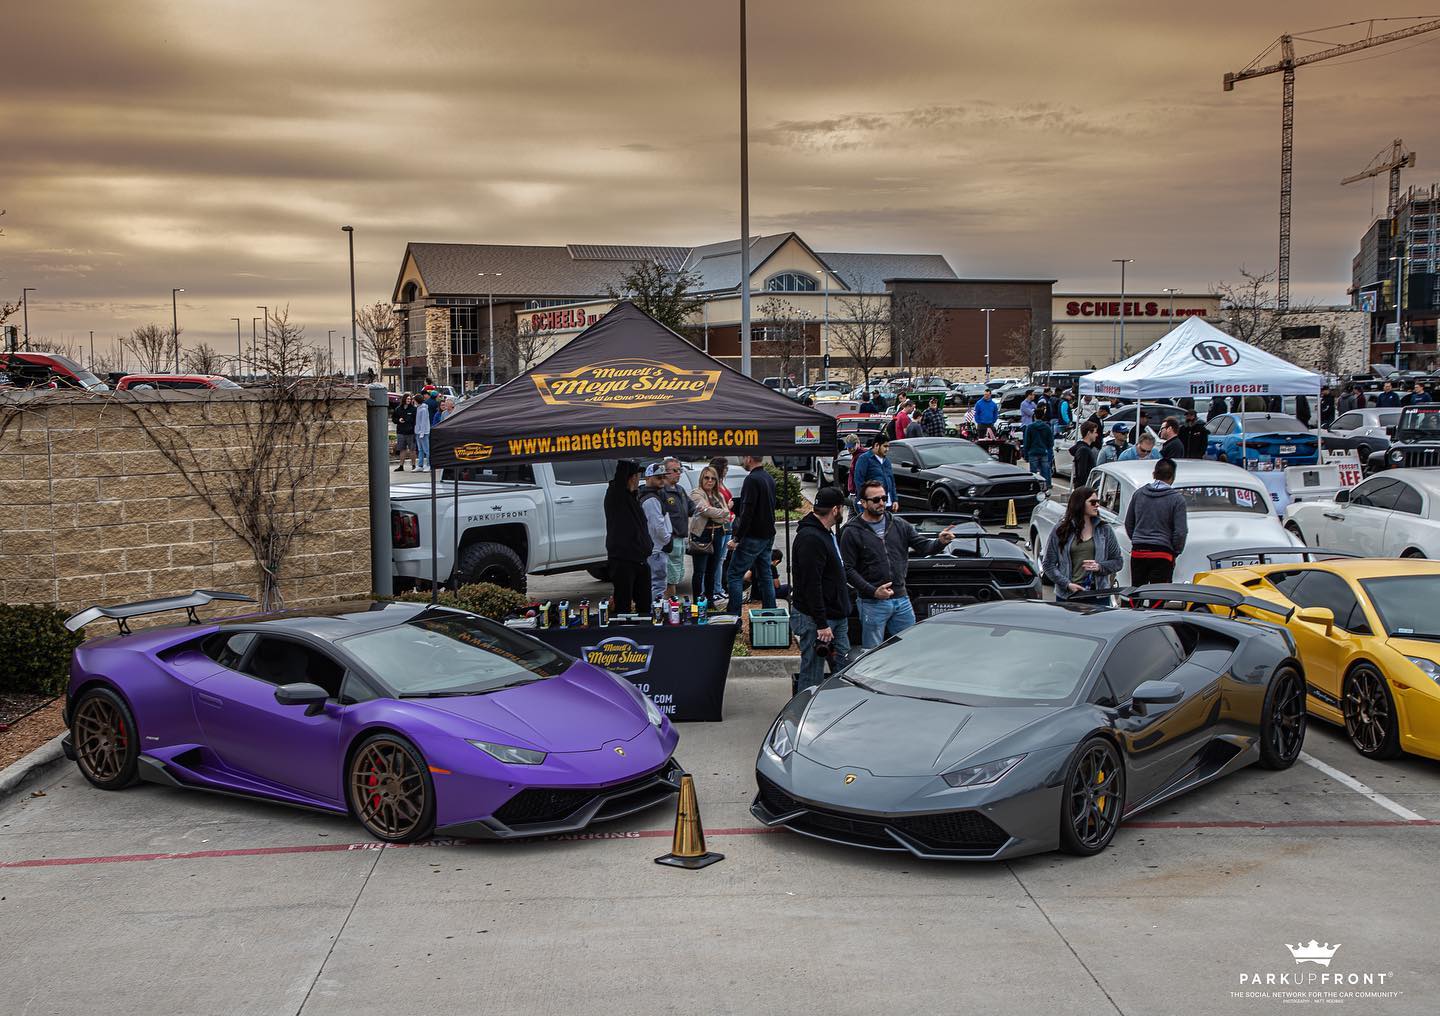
point(1082, 553)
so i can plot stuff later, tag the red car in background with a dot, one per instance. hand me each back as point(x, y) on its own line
point(173, 382)
point(47, 370)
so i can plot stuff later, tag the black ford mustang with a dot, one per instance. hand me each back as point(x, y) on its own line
point(950, 474)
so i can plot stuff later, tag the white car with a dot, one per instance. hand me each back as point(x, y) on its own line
point(1392, 514)
point(1228, 509)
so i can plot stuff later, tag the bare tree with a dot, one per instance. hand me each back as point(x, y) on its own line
point(286, 354)
point(862, 331)
point(1249, 311)
point(151, 346)
point(40, 344)
point(663, 294)
point(531, 345)
point(382, 331)
point(1035, 347)
point(784, 332)
point(204, 359)
point(323, 359)
point(1332, 349)
point(918, 329)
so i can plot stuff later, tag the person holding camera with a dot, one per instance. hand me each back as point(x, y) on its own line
point(820, 600)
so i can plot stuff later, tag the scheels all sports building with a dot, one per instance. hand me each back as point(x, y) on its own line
point(542, 296)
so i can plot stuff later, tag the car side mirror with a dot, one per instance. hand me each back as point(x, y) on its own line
point(914, 468)
point(1342, 497)
point(1155, 693)
point(311, 696)
point(1322, 616)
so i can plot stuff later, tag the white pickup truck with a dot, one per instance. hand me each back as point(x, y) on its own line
point(515, 520)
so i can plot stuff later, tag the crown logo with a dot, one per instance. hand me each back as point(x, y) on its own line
point(1313, 953)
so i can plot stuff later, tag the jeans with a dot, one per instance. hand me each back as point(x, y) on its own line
point(632, 584)
point(706, 577)
point(422, 454)
point(812, 665)
point(753, 555)
point(879, 619)
point(658, 561)
point(1043, 464)
point(1145, 570)
point(722, 554)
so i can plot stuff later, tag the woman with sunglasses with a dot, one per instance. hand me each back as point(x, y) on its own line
point(1082, 553)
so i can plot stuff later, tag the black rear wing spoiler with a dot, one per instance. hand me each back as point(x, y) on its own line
point(1140, 597)
point(121, 613)
point(1263, 554)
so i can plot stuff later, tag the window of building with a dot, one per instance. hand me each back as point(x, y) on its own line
point(464, 331)
point(791, 282)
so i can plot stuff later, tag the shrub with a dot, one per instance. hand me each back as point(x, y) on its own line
point(483, 598)
point(787, 488)
point(35, 649)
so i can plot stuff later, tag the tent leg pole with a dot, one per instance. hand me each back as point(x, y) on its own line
point(455, 519)
point(784, 491)
point(434, 543)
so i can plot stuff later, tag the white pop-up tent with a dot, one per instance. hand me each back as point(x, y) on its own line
point(1198, 360)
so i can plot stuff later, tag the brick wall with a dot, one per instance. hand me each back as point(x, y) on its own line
point(92, 512)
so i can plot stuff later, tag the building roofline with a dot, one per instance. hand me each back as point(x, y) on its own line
point(1042, 282)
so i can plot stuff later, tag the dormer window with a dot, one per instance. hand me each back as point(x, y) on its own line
point(791, 282)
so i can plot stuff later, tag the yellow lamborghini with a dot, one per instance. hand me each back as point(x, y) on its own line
point(1368, 631)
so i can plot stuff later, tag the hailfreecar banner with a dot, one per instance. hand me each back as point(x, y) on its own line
point(628, 388)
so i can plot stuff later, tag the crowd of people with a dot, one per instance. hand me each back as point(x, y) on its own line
point(414, 418)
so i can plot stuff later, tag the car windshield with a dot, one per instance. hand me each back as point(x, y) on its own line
point(1273, 425)
point(958, 453)
point(225, 382)
point(1406, 605)
point(448, 653)
point(1002, 664)
point(1421, 423)
point(1225, 499)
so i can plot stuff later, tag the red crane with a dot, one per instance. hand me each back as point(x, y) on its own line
point(1266, 63)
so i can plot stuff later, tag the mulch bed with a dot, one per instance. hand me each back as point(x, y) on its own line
point(27, 734)
point(15, 705)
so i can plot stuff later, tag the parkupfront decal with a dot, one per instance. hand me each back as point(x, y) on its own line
point(626, 383)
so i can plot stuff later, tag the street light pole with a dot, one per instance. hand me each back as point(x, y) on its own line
point(254, 345)
point(92, 350)
point(264, 333)
point(175, 324)
point(825, 318)
point(354, 336)
point(330, 348)
point(1122, 262)
point(1399, 301)
point(987, 311)
point(493, 275)
point(1172, 291)
point(239, 347)
point(745, 366)
point(25, 302)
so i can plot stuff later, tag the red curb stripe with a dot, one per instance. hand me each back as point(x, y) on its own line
point(322, 848)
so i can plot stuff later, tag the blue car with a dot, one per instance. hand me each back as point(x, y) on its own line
point(1243, 438)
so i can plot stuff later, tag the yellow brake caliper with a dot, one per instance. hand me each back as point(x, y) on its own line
point(1100, 801)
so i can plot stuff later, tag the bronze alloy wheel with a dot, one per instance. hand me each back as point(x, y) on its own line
point(1096, 797)
point(104, 738)
point(391, 791)
point(1370, 714)
point(1284, 726)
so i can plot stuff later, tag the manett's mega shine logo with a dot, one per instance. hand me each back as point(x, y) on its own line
point(620, 656)
point(627, 383)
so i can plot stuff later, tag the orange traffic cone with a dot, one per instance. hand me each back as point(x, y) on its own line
point(1010, 520)
point(687, 850)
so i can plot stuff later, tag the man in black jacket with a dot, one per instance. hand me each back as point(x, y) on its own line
point(820, 602)
point(875, 546)
point(627, 541)
point(753, 535)
point(1174, 445)
point(1195, 435)
point(1082, 453)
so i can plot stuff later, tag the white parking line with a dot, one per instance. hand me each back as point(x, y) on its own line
point(1362, 789)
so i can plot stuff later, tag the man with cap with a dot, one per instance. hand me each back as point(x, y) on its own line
point(1195, 435)
point(820, 600)
point(933, 419)
point(1119, 439)
point(657, 524)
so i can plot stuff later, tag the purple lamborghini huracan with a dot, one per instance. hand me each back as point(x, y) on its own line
point(414, 719)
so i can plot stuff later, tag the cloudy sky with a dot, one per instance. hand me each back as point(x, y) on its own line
point(218, 145)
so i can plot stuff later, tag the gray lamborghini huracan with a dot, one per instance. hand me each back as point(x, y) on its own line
point(1015, 727)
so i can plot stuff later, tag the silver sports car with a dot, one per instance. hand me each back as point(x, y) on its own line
point(1015, 727)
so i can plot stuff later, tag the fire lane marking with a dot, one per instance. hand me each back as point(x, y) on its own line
point(1361, 789)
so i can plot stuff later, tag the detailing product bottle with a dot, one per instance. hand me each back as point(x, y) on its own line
point(605, 612)
point(657, 611)
point(585, 613)
point(693, 609)
point(564, 612)
point(674, 611)
point(702, 610)
point(544, 621)
point(572, 619)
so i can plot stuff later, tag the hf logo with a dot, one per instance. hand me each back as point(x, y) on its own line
point(1214, 353)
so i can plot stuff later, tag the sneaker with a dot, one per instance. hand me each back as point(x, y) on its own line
point(400, 468)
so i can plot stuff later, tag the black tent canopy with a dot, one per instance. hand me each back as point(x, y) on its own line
point(628, 387)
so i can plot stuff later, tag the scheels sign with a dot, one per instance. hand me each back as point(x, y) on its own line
point(549, 320)
point(1129, 309)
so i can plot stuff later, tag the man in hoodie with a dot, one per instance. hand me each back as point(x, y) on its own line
point(986, 412)
point(873, 465)
point(820, 602)
point(876, 548)
point(1195, 435)
point(1157, 525)
point(627, 540)
point(1082, 454)
point(1038, 446)
point(657, 525)
point(753, 535)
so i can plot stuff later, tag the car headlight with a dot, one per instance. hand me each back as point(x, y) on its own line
point(651, 710)
point(511, 755)
point(982, 775)
point(1396, 455)
point(1429, 668)
point(780, 742)
point(971, 491)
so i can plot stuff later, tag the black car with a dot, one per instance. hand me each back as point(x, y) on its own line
point(1416, 441)
point(949, 474)
point(976, 567)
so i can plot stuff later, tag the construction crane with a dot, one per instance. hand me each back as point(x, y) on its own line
point(1285, 65)
point(1390, 161)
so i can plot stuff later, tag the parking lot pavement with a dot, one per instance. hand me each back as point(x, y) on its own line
point(253, 908)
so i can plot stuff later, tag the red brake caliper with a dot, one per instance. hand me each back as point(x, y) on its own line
point(373, 780)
